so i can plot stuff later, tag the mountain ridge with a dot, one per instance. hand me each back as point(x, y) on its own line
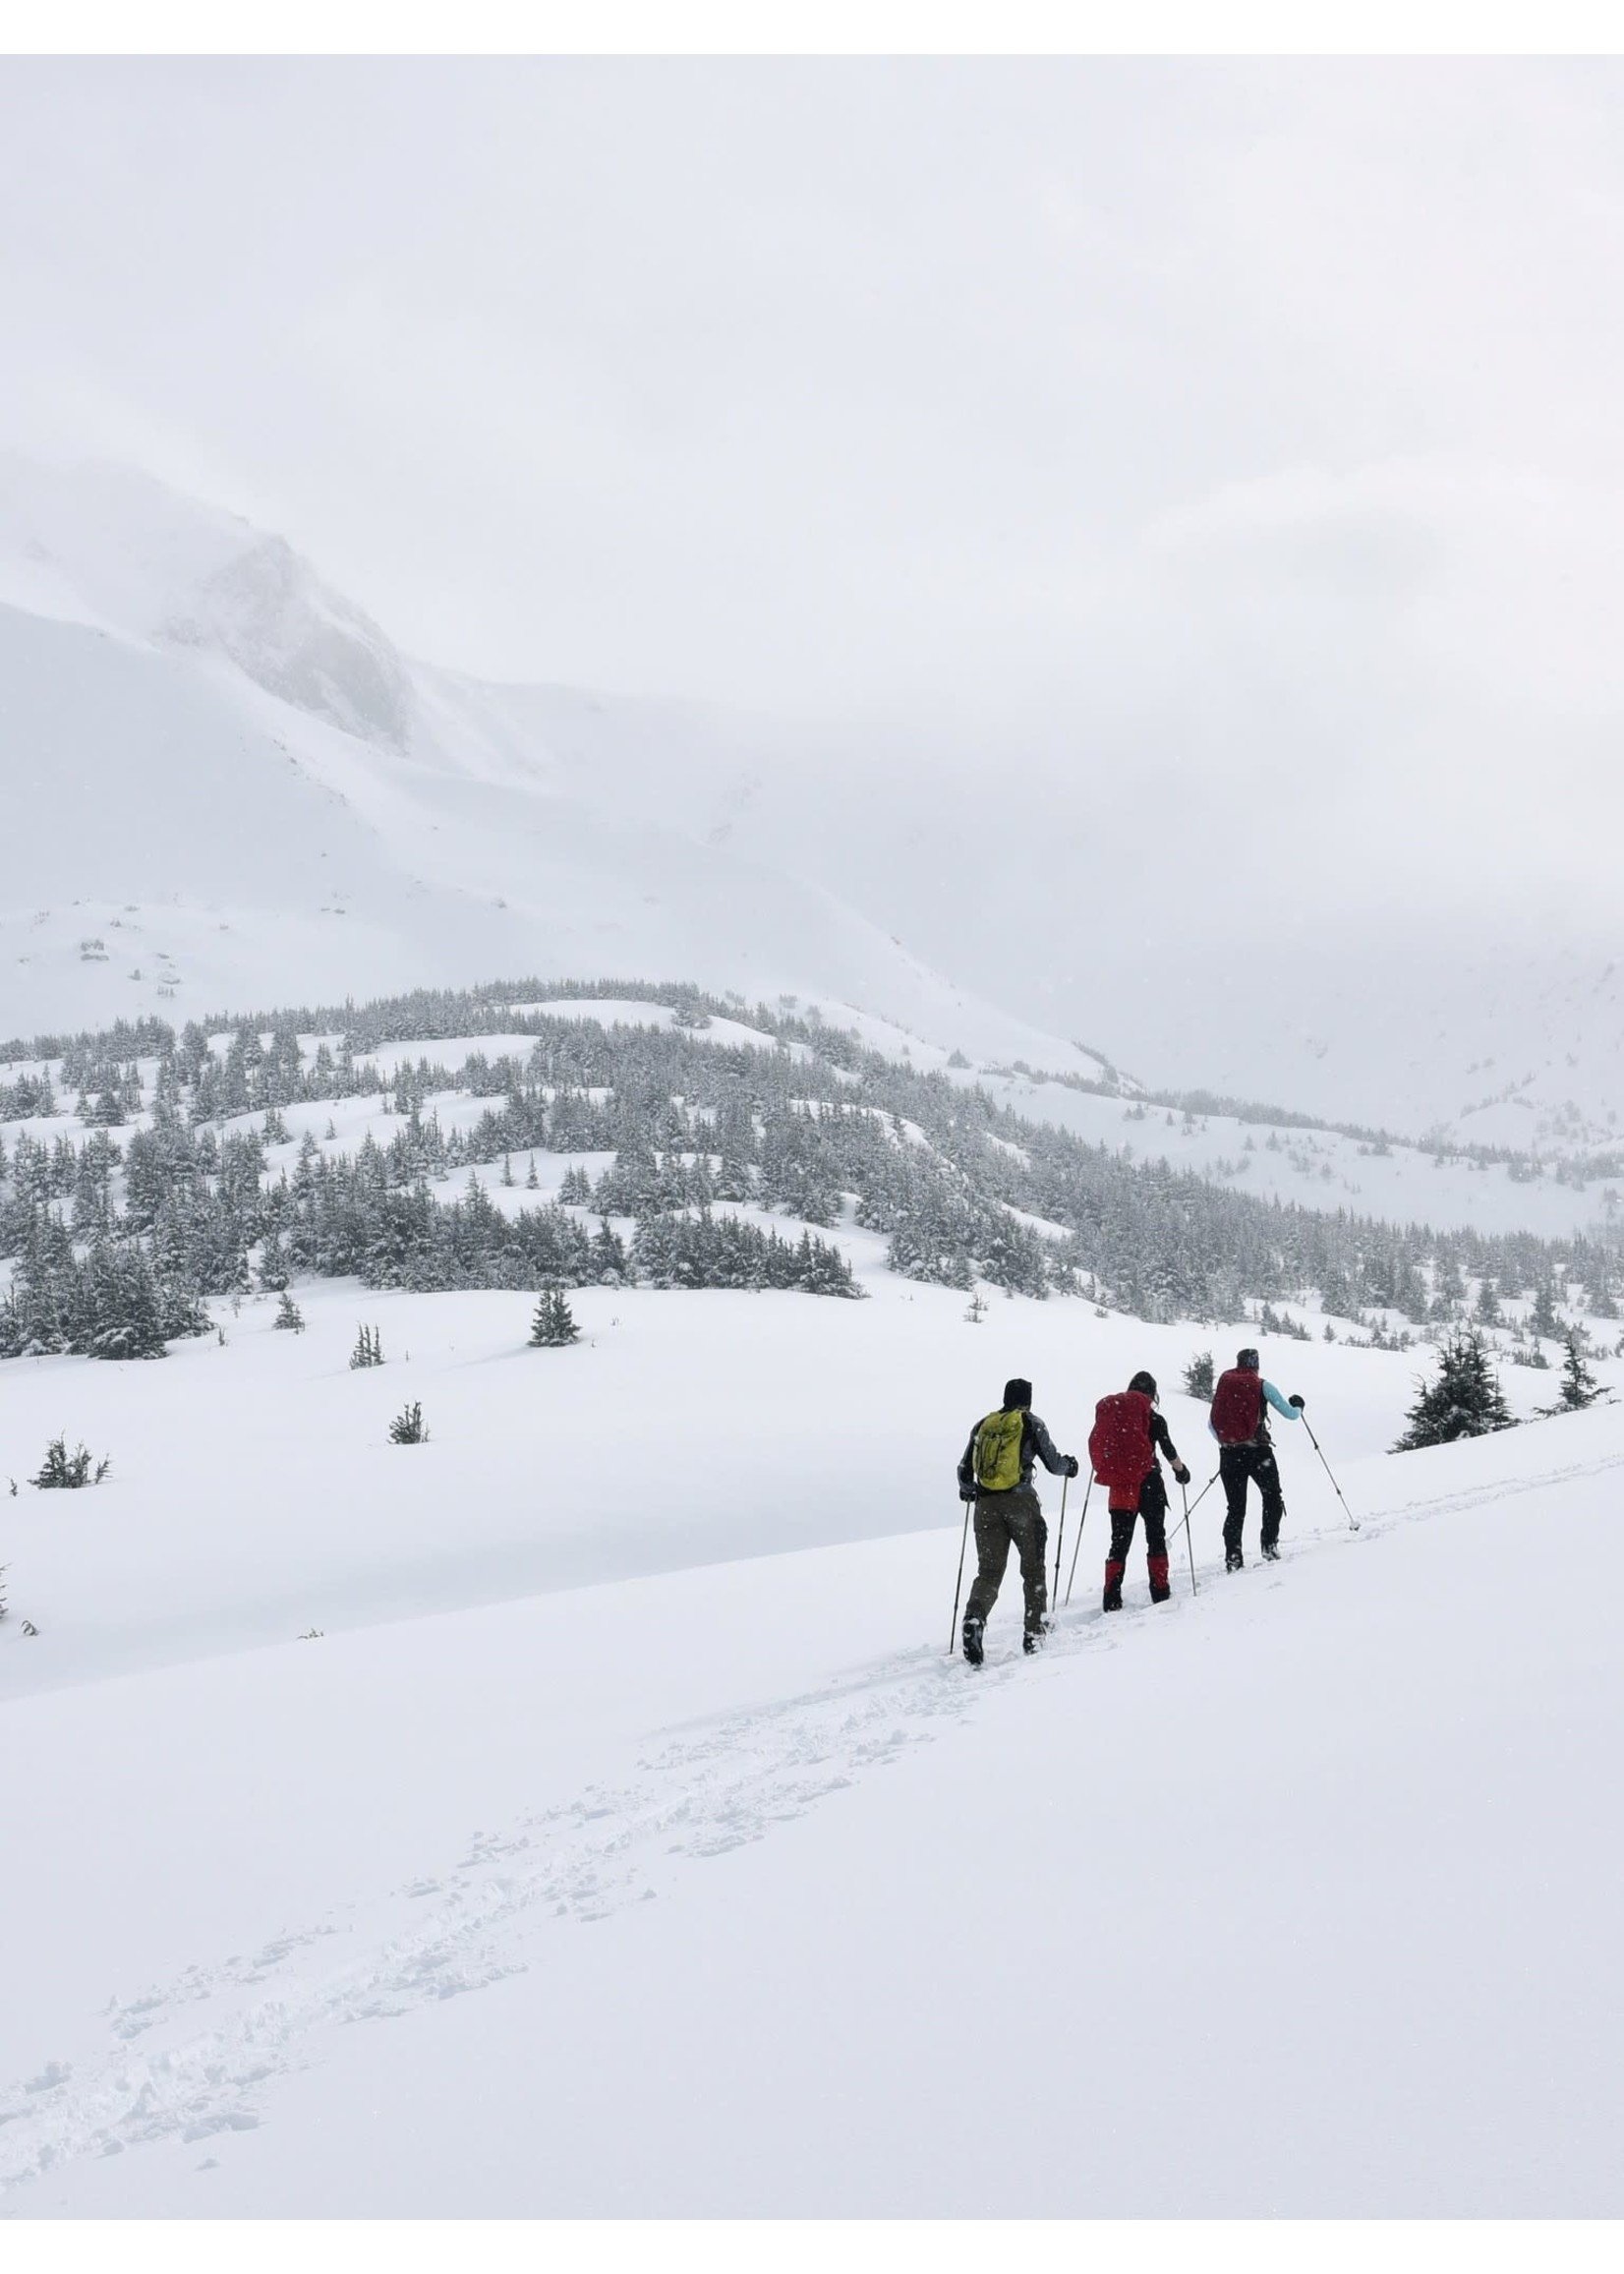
point(397, 822)
point(396, 804)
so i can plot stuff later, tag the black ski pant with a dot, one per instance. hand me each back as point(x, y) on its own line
point(1153, 1508)
point(1003, 1519)
point(1238, 1466)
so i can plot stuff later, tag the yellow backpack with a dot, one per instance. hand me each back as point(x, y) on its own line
point(998, 1451)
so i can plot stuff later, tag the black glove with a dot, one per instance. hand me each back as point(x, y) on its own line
point(1181, 1472)
point(1070, 1464)
point(1298, 1402)
point(966, 1493)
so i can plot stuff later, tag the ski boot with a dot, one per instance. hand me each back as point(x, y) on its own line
point(1159, 1587)
point(1234, 1560)
point(1271, 1551)
point(972, 1641)
point(1031, 1642)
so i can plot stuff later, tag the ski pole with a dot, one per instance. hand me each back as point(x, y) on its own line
point(1082, 1521)
point(1060, 1536)
point(1184, 1494)
point(1202, 1495)
point(959, 1584)
point(1190, 1507)
point(1326, 1466)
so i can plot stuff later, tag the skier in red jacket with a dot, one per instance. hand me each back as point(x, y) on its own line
point(1127, 1504)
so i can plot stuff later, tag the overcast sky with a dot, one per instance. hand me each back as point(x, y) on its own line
point(1219, 430)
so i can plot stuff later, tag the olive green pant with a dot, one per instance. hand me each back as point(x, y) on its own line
point(1000, 1519)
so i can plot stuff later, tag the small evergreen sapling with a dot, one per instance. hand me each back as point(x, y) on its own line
point(407, 1428)
point(289, 1316)
point(554, 1325)
point(1198, 1376)
point(368, 1347)
point(65, 1472)
point(1580, 1387)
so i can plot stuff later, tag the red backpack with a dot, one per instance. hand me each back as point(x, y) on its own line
point(1120, 1446)
point(1237, 1407)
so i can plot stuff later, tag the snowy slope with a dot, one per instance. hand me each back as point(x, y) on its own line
point(1283, 1900)
point(545, 1469)
point(1321, 1168)
point(1519, 1043)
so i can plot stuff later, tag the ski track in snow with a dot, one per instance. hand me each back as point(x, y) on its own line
point(699, 1789)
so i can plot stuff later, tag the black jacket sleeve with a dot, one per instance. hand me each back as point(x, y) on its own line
point(1160, 1439)
point(1042, 1445)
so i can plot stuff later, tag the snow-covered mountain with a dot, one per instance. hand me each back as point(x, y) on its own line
point(226, 787)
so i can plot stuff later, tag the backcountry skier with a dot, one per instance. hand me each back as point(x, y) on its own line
point(1239, 1422)
point(1128, 1435)
point(995, 1474)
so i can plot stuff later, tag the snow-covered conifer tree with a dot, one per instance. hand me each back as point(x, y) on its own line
point(1464, 1401)
point(553, 1326)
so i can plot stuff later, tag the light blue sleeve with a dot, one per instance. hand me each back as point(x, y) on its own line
point(1281, 1406)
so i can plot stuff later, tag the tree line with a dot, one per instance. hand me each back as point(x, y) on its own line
point(121, 1234)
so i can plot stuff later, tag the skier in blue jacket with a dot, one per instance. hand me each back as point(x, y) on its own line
point(1239, 1420)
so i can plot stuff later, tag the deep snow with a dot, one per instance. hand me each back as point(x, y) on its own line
point(1294, 1897)
point(255, 1493)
